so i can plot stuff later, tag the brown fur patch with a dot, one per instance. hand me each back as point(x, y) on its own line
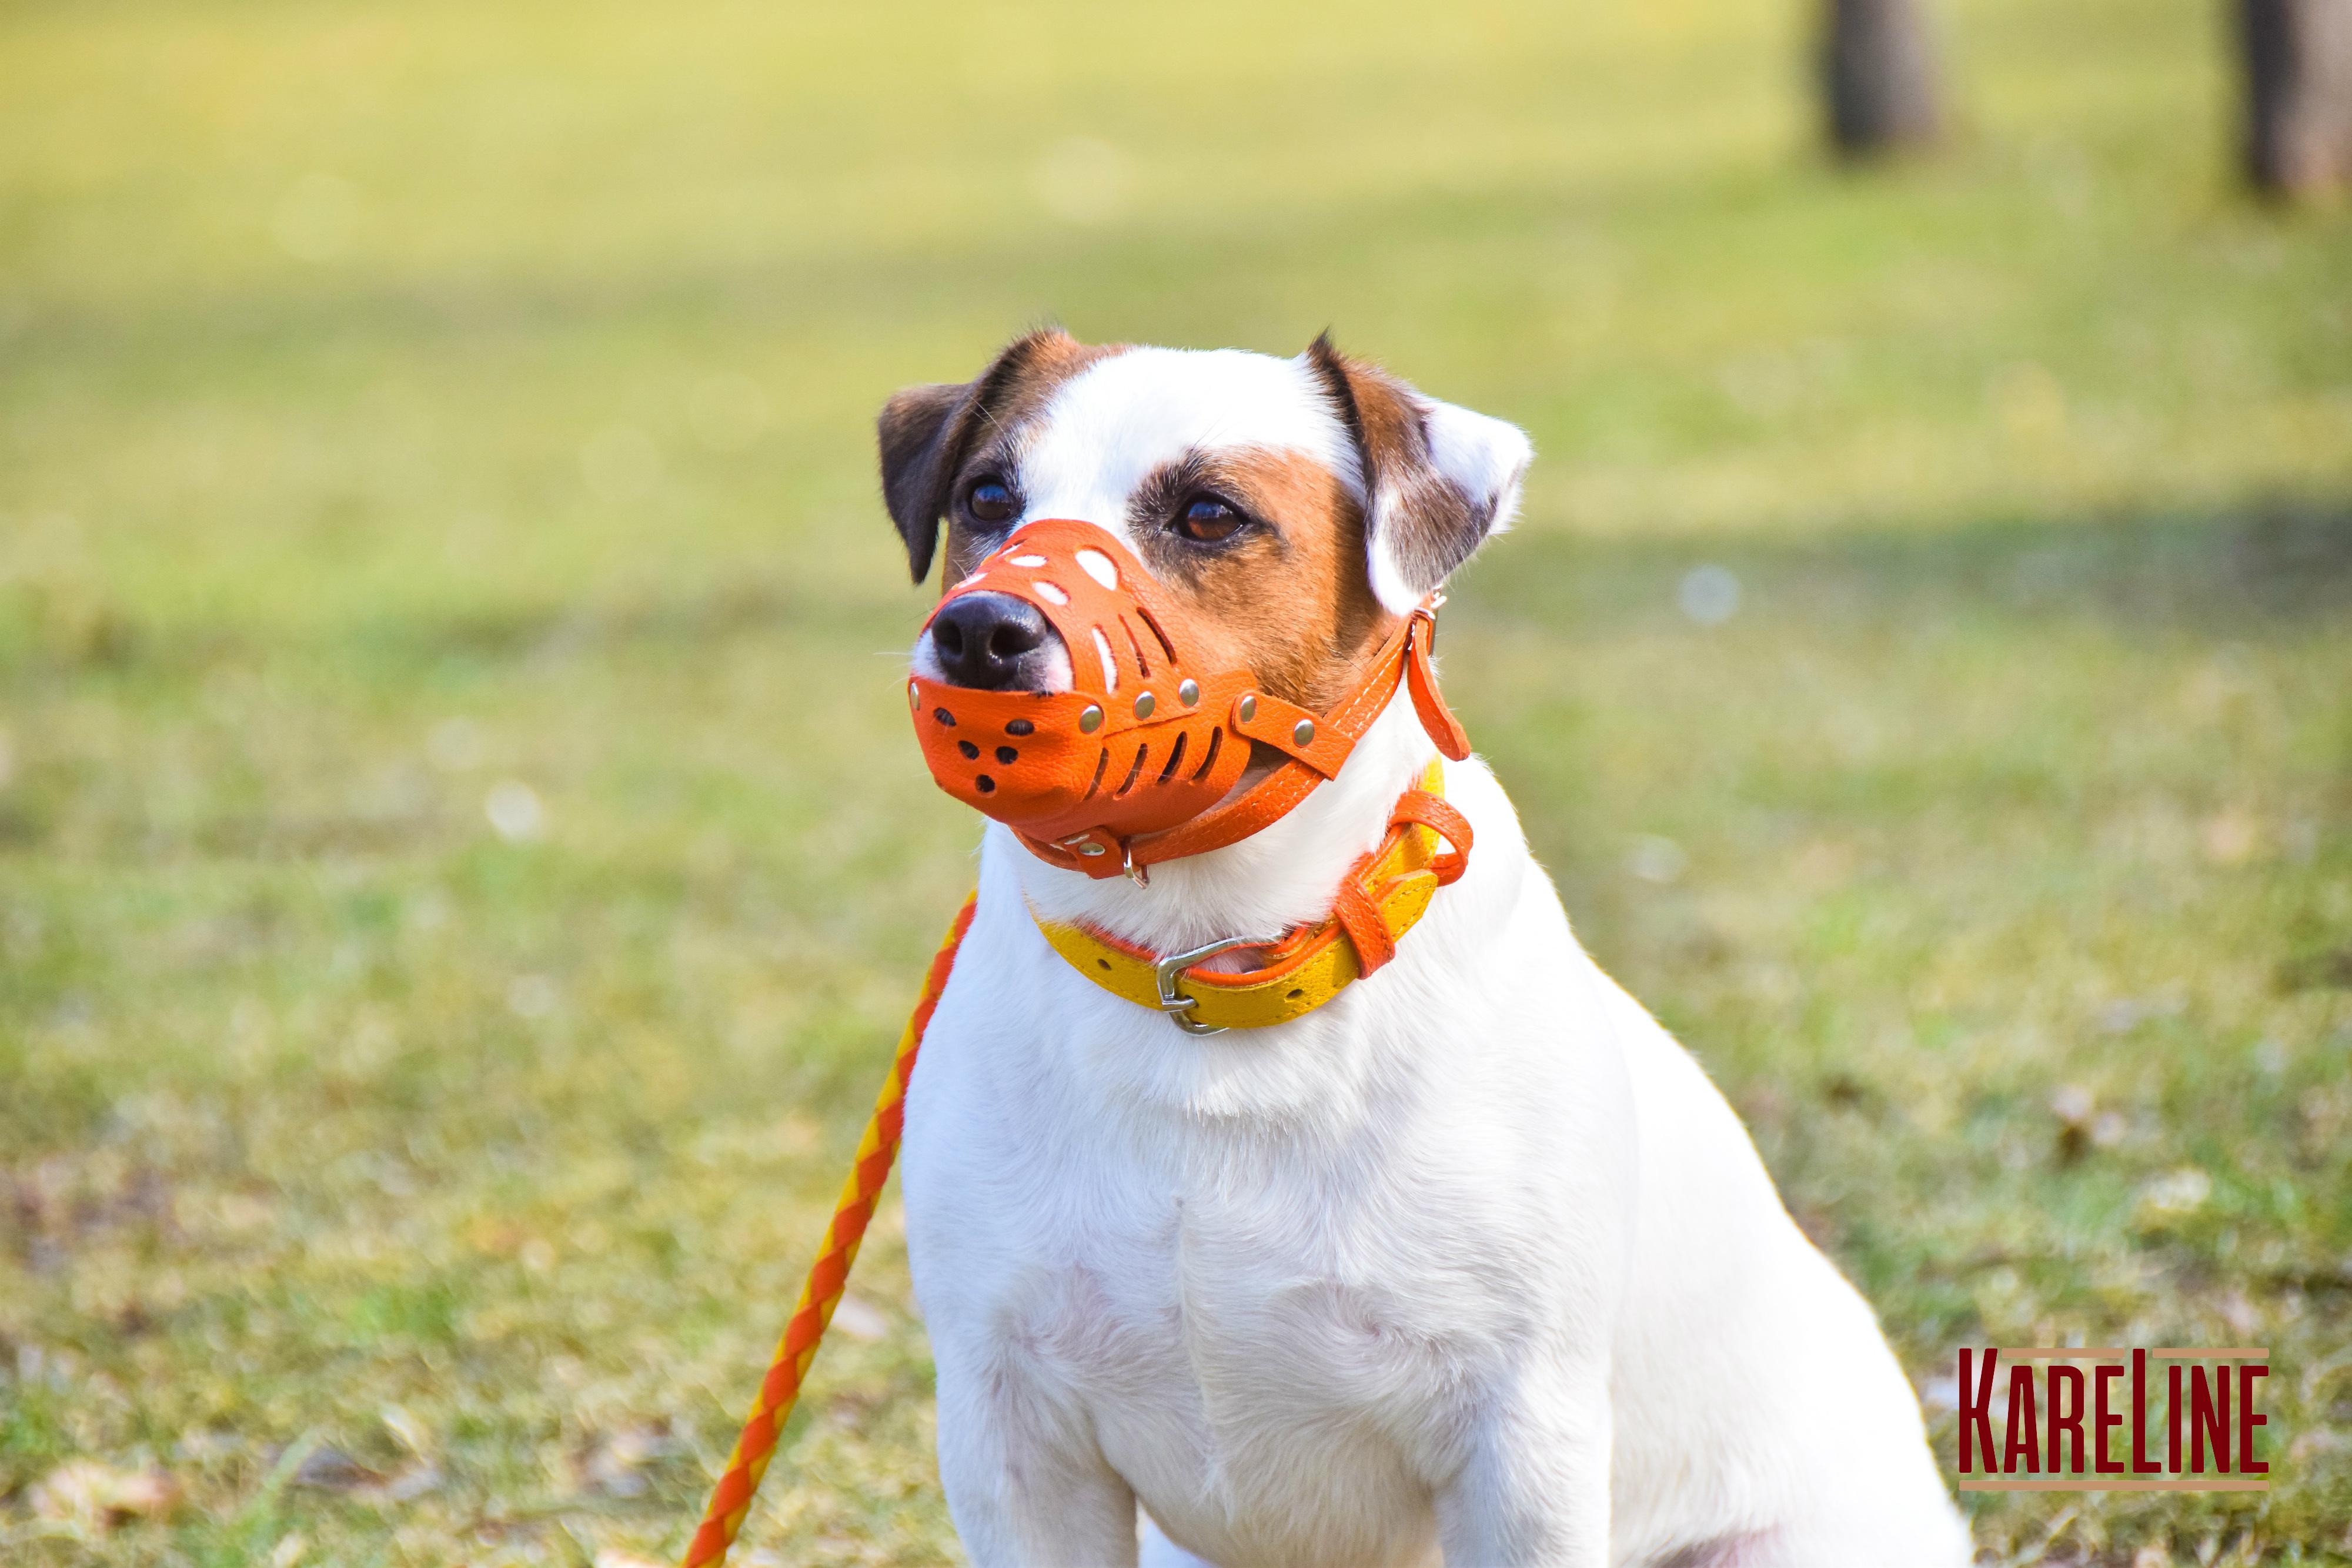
point(1291, 603)
point(927, 435)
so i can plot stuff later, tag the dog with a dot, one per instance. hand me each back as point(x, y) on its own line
point(1470, 1263)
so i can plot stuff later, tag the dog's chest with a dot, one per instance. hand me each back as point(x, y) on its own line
point(1277, 1324)
point(1239, 1300)
point(1246, 1366)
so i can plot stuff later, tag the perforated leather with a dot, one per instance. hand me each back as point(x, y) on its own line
point(1098, 778)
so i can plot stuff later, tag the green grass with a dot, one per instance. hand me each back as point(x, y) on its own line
point(397, 404)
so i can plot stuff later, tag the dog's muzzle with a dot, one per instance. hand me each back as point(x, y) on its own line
point(1144, 739)
point(1134, 763)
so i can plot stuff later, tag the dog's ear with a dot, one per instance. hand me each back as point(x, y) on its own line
point(1437, 479)
point(916, 433)
point(924, 431)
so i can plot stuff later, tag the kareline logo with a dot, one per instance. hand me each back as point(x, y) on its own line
point(2058, 1430)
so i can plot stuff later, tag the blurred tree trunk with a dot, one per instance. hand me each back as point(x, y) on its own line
point(1878, 77)
point(2298, 125)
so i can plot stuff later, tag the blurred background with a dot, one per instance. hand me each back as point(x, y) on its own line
point(461, 863)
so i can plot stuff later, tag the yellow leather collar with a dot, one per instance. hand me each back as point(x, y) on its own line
point(1306, 968)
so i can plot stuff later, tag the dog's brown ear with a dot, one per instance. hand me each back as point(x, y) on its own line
point(916, 431)
point(924, 432)
point(1437, 479)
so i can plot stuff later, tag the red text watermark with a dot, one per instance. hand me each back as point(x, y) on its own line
point(2110, 1418)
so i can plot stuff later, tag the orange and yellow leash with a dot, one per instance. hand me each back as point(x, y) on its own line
point(731, 1500)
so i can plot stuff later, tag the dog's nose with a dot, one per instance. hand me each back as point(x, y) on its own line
point(989, 641)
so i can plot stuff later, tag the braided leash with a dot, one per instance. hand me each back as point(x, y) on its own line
point(731, 1500)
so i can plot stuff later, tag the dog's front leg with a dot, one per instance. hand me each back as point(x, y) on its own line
point(1025, 1483)
point(1533, 1490)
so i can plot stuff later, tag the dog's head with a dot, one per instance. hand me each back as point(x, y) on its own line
point(1296, 508)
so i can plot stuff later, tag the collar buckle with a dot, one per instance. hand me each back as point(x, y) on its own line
point(1167, 971)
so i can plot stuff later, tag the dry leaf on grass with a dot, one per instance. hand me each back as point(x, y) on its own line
point(332, 1469)
point(860, 1318)
point(613, 1464)
point(93, 1495)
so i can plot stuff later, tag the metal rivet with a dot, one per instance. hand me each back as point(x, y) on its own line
point(1188, 693)
point(1090, 848)
point(914, 698)
point(1249, 707)
point(1144, 704)
point(1305, 734)
point(1090, 720)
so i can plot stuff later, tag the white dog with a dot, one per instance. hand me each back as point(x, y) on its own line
point(1470, 1264)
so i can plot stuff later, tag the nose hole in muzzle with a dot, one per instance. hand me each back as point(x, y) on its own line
point(993, 641)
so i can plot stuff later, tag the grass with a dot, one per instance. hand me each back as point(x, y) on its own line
point(413, 417)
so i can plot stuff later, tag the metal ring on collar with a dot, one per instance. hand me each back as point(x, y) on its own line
point(1169, 970)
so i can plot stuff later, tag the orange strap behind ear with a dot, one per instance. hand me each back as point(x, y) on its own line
point(1420, 678)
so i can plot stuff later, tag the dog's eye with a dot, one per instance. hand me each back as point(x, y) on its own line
point(990, 500)
point(1208, 520)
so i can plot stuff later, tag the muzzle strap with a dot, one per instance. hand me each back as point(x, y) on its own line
point(1141, 759)
point(1359, 917)
point(1421, 677)
point(1405, 659)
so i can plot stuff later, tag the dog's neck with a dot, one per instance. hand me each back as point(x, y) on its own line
point(1282, 876)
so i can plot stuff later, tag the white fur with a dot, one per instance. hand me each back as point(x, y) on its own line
point(1125, 415)
point(1472, 1262)
point(1121, 417)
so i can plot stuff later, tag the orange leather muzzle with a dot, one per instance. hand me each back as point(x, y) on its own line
point(1135, 763)
point(1143, 739)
